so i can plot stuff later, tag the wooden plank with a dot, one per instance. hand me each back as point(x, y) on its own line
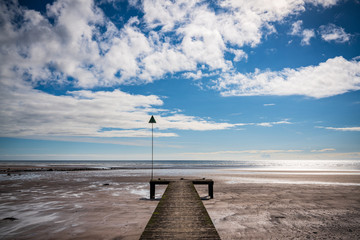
point(180, 214)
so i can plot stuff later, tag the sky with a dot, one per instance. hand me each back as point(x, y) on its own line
point(224, 79)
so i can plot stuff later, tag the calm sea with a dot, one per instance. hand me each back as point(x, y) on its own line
point(334, 165)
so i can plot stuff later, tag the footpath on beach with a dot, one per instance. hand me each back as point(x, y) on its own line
point(180, 214)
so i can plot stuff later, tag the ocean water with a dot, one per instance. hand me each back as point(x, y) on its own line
point(295, 165)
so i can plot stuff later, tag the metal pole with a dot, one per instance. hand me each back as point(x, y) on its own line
point(152, 151)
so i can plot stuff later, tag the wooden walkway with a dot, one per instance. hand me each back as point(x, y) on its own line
point(180, 214)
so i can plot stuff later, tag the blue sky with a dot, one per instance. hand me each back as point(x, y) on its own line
point(225, 80)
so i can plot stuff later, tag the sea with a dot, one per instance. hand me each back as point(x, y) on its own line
point(261, 165)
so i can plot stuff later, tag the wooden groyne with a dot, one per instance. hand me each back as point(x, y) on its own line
point(180, 214)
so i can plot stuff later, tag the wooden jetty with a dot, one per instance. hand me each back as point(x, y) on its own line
point(180, 214)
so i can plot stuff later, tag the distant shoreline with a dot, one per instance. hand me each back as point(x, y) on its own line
point(11, 167)
point(17, 169)
point(226, 165)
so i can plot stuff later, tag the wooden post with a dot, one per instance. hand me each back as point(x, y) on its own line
point(152, 190)
point(211, 189)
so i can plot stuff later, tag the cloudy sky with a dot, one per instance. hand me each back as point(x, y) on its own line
point(231, 79)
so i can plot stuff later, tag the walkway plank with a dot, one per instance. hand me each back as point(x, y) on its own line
point(180, 214)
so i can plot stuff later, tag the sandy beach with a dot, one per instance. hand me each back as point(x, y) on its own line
point(289, 206)
point(114, 204)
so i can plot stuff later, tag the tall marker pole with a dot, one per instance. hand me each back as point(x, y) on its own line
point(152, 121)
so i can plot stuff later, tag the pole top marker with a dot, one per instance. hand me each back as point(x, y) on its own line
point(152, 119)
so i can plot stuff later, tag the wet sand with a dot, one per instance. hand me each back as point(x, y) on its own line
point(286, 208)
point(114, 204)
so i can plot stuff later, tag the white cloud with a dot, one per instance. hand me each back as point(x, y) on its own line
point(84, 114)
point(81, 43)
point(75, 44)
point(269, 104)
point(29, 113)
point(264, 124)
point(333, 77)
point(37, 46)
point(305, 34)
point(344, 129)
point(198, 75)
point(203, 33)
point(124, 54)
point(334, 33)
point(166, 60)
point(246, 21)
point(324, 3)
point(275, 154)
point(202, 42)
point(269, 151)
point(261, 124)
point(296, 28)
point(239, 54)
point(183, 122)
point(271, 124)
point(167, 14)
point(324, 150)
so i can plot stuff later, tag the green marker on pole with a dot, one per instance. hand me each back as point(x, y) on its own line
point(152, 121)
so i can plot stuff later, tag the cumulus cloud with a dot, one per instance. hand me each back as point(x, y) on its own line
point(245, 22)
point(75, 40)
point(296, 28)
point(27, 112)
point(335, 76)
point(167, 14)
point(199, 74)
point(331, 32)
point(73, 44)
point(239, 54)
point(324, 3)
point(305, 34)
point(37, 52)
point(46, 52)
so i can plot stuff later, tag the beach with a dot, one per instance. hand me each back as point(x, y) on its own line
point(287, 206)
point(114, 204)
